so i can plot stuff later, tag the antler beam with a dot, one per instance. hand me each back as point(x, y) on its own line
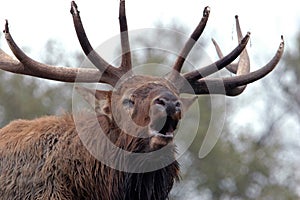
point(28, 66)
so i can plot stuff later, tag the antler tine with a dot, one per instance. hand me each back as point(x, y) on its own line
point(93, 56)
point(231, 67)
point(238, 28)
point(230, 85)
point(245, 79)
point(243, 66)
point(218, 65)
point(126, 64)
point(28, 66)
point(191, 41)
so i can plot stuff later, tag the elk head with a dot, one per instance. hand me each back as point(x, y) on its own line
point(146, 106)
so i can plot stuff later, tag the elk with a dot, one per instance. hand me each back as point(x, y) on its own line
point(53, 157)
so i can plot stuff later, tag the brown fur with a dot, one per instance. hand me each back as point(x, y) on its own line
point(46, 159)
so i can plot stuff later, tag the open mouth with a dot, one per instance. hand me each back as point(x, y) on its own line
point(163, 128)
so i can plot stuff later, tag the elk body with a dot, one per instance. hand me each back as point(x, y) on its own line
point(47, 158)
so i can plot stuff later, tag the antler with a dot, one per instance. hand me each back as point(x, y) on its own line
point(93, 56)
point(106, 73)
point(189, 45)
point(230, 86)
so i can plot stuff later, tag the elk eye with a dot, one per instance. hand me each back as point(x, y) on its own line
point(178, 104)
point(128, 103)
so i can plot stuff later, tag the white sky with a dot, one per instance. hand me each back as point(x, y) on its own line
point(33, 22)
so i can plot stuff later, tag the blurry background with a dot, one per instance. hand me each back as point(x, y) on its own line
point(258, 154)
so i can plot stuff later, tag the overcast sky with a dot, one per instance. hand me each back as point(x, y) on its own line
point(33, 22)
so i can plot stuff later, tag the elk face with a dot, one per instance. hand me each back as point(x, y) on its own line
point(148, 107)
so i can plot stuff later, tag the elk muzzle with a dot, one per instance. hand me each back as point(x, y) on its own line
point(165, 113)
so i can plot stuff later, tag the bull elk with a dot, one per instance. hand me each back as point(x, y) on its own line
point(46, 158)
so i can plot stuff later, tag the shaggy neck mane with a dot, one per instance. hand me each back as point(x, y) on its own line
point(120, 185)
point(151, 185)
point(154, 185)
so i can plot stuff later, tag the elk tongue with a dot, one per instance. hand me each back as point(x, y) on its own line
point(162, 135)
point(167, 131)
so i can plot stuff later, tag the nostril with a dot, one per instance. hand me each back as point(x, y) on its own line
point(160, 101)
point(177, 104)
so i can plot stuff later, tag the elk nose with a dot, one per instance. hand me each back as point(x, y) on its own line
point(172, 107)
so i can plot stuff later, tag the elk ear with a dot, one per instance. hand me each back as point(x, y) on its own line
point(99, 100)
point(187, 102)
